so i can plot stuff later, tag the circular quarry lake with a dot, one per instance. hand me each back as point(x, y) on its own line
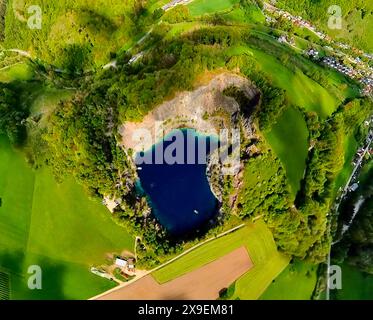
point(172, 174)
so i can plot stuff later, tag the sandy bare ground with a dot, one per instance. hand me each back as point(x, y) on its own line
point(202, 283)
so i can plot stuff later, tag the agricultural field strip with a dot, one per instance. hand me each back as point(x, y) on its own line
point(170, 261)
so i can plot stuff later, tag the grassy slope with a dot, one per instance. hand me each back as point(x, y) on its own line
point(301, 90)
point(299, 276)
point(350, 146)
point(47, 99)
point(238, 16)
point(289, 139)
point(55, 226)
point(19, 71)
point(268, 262)
point(200, 7)
point(289, 136)
point(357, 19)
point(179, 28)
point(101, 26)
point(44, 100)
point(356, 285)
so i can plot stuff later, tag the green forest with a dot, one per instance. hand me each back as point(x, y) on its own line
point(76, 134)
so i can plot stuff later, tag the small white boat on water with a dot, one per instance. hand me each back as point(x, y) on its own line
point(139, 168)
point(196, 211)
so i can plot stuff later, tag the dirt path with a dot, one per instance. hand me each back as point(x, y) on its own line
point(202, 283)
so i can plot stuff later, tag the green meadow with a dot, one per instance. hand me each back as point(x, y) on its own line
point(289, 136)
point(55, 226)
point(80, 33)
point(200, 7)
point(258, 240)
point(289, 139)
point(47, 98)
point(178, 29)
point(239, 16)
point(356, 24)
point(18, 71)
point(350, 148)
point(356, 285)
point(301, 90)
point(296, 282)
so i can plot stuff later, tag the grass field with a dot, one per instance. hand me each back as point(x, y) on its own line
point(296, 282)
point(178, 29)
point(365, 172)
point(356, 19)
point(200, 7)
point(73, 31)
point(356, 285)
point(356, 29)
point(55, 226)
point(256, 237)
point(301, 90)
point(18, 71)
point(45, 99)
point(350, 148)
point(239, 16)
point(289, 139)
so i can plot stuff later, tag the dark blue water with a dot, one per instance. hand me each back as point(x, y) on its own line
point(179, 194)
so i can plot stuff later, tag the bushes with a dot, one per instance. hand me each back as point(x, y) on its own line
point(3, 4)
point(265, 191)
point(356, 247)
point(178, 14)
point(82, 139)
point(76, 58)
point(325, 161)
point(99, 25)
point(273, 98)
point(356, 18)
point(302, 230)
point(221, 36)
point(13, 114)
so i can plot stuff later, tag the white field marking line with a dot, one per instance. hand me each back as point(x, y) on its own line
point(167, 262)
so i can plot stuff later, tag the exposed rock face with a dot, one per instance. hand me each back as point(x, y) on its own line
point(205, 109)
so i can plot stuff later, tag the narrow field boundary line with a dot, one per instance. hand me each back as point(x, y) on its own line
point(197, 246)
point(169, 261)
point(12, 65)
